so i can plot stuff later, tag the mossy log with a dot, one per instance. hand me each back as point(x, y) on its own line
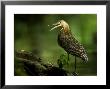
point(34, 66)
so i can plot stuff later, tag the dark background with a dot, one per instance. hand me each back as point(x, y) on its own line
point(31, 33)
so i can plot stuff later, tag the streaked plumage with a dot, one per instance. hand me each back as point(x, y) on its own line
point(71, 45)
point(68, 42)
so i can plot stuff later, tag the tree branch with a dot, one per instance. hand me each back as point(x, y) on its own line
point(35, 67)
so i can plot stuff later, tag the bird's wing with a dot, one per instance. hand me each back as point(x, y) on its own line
point(75, 48)
point(72, 46)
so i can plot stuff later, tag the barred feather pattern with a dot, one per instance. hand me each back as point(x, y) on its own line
point(71, 45)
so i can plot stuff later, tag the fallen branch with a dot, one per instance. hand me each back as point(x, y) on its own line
point(34, 66)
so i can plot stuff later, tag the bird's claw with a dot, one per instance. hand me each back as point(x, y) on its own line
point(75, 74)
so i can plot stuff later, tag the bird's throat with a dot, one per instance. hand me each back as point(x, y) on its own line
point(66, 30)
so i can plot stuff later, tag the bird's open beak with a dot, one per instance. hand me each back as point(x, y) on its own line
point(56, 25)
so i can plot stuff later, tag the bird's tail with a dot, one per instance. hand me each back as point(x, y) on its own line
point(85, 58)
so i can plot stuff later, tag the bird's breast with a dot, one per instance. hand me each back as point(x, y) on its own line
point(63, 40)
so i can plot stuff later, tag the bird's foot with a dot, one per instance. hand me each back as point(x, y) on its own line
point(75, 74)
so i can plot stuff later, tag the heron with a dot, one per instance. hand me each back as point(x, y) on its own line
point(68, 41)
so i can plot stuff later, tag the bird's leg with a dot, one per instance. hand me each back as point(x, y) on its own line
point(68, 58)
point(75, 64)
point(74, 73)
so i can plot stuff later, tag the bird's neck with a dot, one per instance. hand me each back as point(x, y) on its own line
point(66, 28)
point(65, 31)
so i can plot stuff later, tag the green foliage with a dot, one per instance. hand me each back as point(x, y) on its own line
point(62, 61)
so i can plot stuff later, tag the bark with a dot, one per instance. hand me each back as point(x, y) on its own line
point(34, 65)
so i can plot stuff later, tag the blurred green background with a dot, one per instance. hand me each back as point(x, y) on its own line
point(31, 33)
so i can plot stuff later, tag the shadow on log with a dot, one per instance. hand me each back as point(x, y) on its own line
point(34, 66)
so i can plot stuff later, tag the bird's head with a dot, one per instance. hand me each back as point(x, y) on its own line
point(63, 24)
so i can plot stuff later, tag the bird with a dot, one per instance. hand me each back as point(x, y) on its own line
point(68, 41)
